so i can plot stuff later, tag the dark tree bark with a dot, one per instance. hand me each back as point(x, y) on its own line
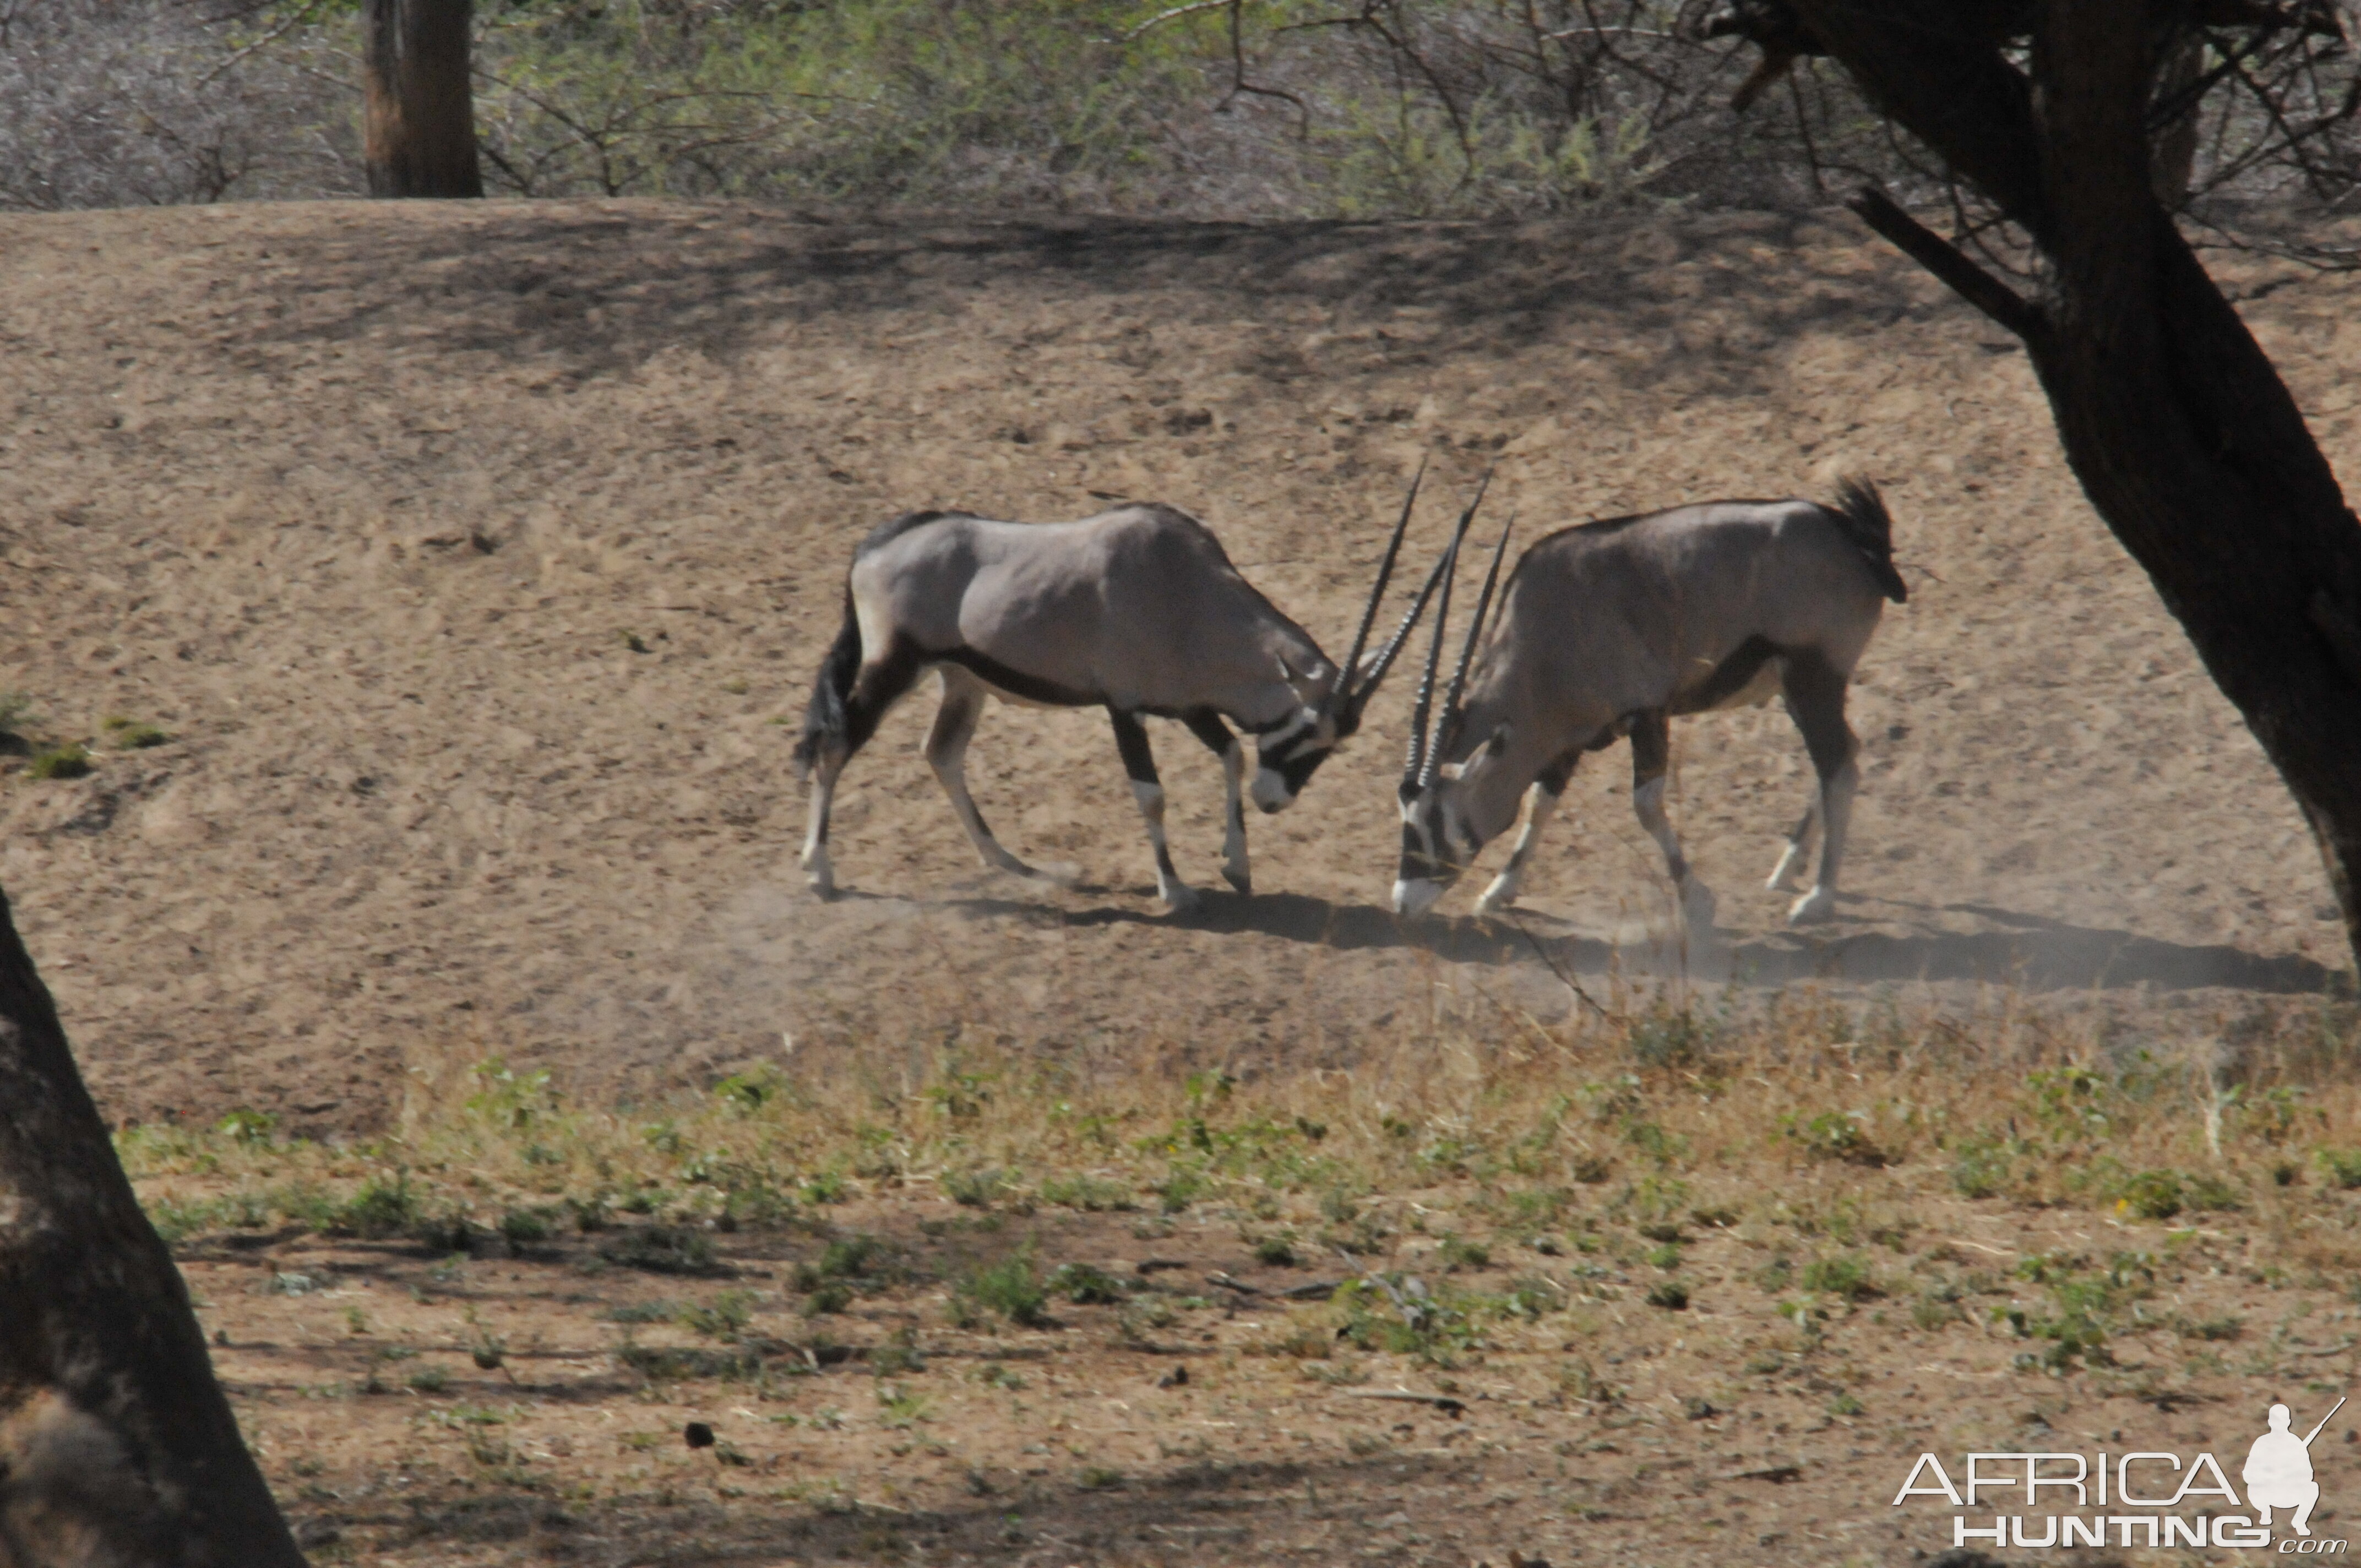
point(2184, 437)
point(117, 1447)
point(419, 106)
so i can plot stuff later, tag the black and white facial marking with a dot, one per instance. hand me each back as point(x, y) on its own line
point(1436, 850)
point(1288, 755)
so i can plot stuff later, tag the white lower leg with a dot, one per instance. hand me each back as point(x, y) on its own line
point(1798, 850)
point(817, 869)
point(1836, 816)
point(1168, 885)
point(1696, 899)
point(1235, 869)
point(1539, 804)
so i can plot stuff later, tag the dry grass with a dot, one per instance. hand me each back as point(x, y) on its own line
point(1806, 1113)
point(1547, 1266)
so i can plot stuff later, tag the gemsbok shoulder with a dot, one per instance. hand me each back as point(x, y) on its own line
point(1612, 629)
point(1137, 610)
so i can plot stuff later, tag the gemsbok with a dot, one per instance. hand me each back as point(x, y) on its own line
point(1137, 610)
point(1610, 629)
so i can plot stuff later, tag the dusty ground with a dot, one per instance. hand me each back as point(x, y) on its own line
point(469, 556)
point(361, 505)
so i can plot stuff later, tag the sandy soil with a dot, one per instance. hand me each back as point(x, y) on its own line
point(470, 556)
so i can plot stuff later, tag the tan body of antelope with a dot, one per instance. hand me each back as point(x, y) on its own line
point(1612, 628)
point(1137, 610)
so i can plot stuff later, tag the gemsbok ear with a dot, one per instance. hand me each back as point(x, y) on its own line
point(1492, 742)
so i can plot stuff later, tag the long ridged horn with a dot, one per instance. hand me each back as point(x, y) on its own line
point(1458, 687)
point(1344, 696)
point(1415, 765)
point(1419, 772)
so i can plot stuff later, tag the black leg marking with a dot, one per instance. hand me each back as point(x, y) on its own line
point(877, 688)
point(1652, 760)
point(1815, 690)
point(1140, 763)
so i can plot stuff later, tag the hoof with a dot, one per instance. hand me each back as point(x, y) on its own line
point(1814, 906)
point(1242, 880)
point(1497, 897)
point(1697, 905)
point(1182, 900)
point(821, 878)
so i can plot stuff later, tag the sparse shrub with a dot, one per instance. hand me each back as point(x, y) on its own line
point(1845, 1275)
point(1669, 1294)
point(1668, 1037)
point(132, 734)
point(248, 1129)
point(664, 1363)
point(2151, 1195)
point(973, 1188)
point(1099, 1479)
point(1455, 1254)
point(1666, 1257)
point(1276, 1251)
point(525, 1227)
point(1091, 1194)
point(644, 1312)
point(1010, 1287)
point(378, 1209)
point(2341, 1166)
point(724, 1318)
point(1838, 1136)
point(2228, 1327)
point(1931, 1312)
point(71, 761)
point(1085, 1285)
point(1980, 1167)
point(854, 1256)
point(661, 1249)
point(826, 1298)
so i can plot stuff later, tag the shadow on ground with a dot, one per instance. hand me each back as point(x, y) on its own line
point(2029, 952)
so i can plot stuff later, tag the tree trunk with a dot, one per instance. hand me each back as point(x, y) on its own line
point(419, 110)
point(117, 1447)
point(2185, 439)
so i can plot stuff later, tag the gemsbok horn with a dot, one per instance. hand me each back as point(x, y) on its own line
point(1612, 629)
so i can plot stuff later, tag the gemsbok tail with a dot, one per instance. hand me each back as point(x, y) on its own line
point(1859, 512)
point(824, 723)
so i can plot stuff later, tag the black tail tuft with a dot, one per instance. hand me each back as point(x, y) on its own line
point(1861, 512)
point(824, 721)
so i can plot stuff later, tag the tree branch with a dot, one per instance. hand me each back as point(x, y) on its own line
point(1939, 257)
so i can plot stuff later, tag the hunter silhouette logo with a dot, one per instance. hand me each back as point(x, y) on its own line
point(2149, 1497)
point(2279, 1471)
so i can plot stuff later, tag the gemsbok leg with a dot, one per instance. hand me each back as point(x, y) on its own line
point(1131, 740)
point(1541, 801)
point(1207, 725)
point(1652, 756)
point(877, 688)
point(1816, 700)
point(1799, 845)
point(955, 723)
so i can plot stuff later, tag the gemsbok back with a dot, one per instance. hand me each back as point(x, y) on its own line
point(1137, 610)
point(1612, 629)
